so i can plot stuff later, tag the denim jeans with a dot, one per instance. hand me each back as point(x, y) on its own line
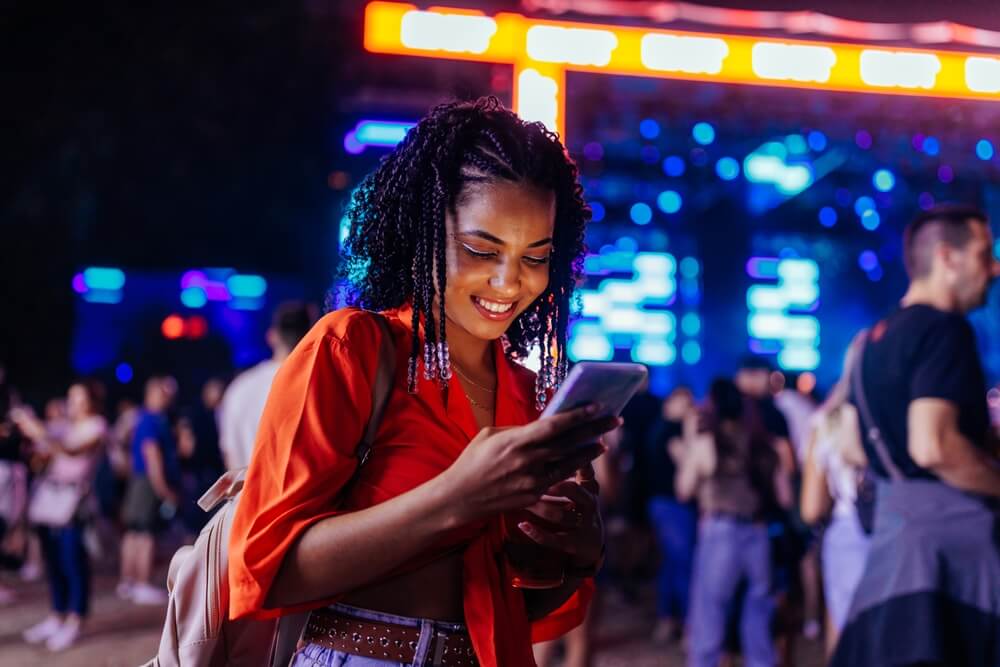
point(731, 551)
point(674, 527)
point(67, 568)
point(314, 655)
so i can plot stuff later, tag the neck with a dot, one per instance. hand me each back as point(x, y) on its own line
point(922, 292)
point(471, 354)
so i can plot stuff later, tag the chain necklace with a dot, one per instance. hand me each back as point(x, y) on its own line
point(470, 380)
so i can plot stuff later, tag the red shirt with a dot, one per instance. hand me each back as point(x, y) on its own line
point(315, 416)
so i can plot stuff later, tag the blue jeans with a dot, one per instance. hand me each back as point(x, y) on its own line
point(674, 527)
point(730, 551)
point(67, 568)
point(314, 655)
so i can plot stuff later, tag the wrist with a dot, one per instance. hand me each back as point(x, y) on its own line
point(444, 503)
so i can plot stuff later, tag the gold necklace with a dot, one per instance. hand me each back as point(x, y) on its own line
point(470, 380)
point(476, 403)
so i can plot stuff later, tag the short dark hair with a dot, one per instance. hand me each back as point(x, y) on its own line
point(946, 223)
point(754, 362)
point(726, 399)
point(291, 320)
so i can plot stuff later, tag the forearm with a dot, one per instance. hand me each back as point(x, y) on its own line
point(541, 603)
point(344, 552)
point(968, 468)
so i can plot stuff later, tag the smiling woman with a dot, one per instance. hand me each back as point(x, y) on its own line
point(469, 240)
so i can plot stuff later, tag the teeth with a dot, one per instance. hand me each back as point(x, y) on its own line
point(494, 307)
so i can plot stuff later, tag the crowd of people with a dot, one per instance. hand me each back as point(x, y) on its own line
point(766, 507)
point(79, 482)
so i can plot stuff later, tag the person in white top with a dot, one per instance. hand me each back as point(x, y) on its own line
point(73, 453)
point(244, 399)
point(835, 461)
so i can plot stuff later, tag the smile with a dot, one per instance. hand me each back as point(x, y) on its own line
point(494, 310)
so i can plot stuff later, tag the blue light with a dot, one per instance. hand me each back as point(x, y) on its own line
point(649, 129)
point(246, 286)
point(984, 149)
point(649, 154)
point(817, 140)
point(691, 352)
point(641, 214)
point(381, 132)
point(864, 203)
point(345, 231)
point(883, 180)
point(101, 278)
point(827, 216)
point(668, 201)
point(727, 168)
point(691, 324)
point(875, 274)
point(931, 145)
point(867, 260)
point(673, 165)
point(996, 248)
point(193, 297)
point(124, 373)
point(689, 267)
point(796, 145)
point(597, 211)
point(870, 220)
point(703, 133)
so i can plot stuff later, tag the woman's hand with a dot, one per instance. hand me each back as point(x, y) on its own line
point(570, 520)
point(510, 468)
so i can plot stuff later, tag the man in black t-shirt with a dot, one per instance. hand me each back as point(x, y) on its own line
point(934, 557)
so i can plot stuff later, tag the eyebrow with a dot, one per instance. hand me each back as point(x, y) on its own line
point(493, 239)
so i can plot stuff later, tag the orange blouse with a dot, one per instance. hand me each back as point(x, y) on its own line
point(316, 415)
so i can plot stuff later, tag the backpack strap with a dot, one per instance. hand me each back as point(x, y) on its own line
point(868, 424)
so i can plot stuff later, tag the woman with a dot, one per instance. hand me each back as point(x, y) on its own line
point(469, 239)
point(835, 462)
point(72, 452)
point(735, 475)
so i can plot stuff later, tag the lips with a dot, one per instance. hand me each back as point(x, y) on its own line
point(492, 315)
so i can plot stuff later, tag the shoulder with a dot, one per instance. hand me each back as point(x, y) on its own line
point(352, 327)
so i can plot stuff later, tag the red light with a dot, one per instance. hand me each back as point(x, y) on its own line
point(196, 327)
point(172, 327)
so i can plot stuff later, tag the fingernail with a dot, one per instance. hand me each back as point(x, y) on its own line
point(592, 409)
point(526, 527)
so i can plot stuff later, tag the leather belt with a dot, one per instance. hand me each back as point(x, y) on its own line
point(386, 641)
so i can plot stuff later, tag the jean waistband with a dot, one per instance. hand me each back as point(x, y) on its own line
point(372, 615)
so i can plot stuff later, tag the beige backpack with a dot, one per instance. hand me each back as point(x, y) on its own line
point(197, 631)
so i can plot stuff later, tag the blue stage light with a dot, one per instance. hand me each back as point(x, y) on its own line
point(984, 149)
point(727, 168)
point(689, 267)
point(124, 373)
point(597, 211)
point(827, 216)
point(875, 274)
point(641, 214)
point(817, 140)
point(883, 180)
point(703, 133)
point(870, 220)
point(649, 128)
point(673, 165)
point(691, 352)
point(862, 204)
point(193, 297)
point(668, 201)
point(867, 260)
point(931, 145)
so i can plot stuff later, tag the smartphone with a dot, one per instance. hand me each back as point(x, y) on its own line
point(609, 385)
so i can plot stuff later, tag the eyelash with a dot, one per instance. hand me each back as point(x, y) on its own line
point(535, 261)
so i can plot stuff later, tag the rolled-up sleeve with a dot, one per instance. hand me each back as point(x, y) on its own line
point(304, 454)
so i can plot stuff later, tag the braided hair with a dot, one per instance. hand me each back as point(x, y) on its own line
point(397, 239)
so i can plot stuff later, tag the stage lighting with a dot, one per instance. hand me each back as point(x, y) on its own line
point(649, 129)
point(931, 145)
point(925, 200)
point(593, 151)
point(862, 204)
point(641, 214)
point(668, 201)
point(867, 260)
point(246, 286)
point(870, 220)
point(570, 46)
point(691, 352)
point(984, 149)
point(895, 69)
point(863, 139)
point(827, 216)
point(690, 268)
point(691, 324)
point(673, 165)
point(703, 133)
point(123, 372)
point(172, 327)
point(727, 168)
point(816, 140)
point(945, 174)
point(193, 297)
point(883, 180)
point(103, 278)
point(597, 211)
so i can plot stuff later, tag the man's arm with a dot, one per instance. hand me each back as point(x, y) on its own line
point(697, 463)
point(936, 443)
point(155, 471)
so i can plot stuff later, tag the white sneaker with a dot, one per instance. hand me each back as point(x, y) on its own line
point(147, 594)
point(65, 637)
point(42, 631)
point(124, 590)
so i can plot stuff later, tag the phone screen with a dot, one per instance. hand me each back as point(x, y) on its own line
point(610, 385)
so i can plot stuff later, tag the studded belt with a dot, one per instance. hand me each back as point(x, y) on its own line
point(387, 641)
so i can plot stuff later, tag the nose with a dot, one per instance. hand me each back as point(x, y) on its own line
point(506, 280)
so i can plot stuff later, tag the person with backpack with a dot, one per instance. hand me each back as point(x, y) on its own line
point(468, 239)
point(930, 590)
point(832, 481)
